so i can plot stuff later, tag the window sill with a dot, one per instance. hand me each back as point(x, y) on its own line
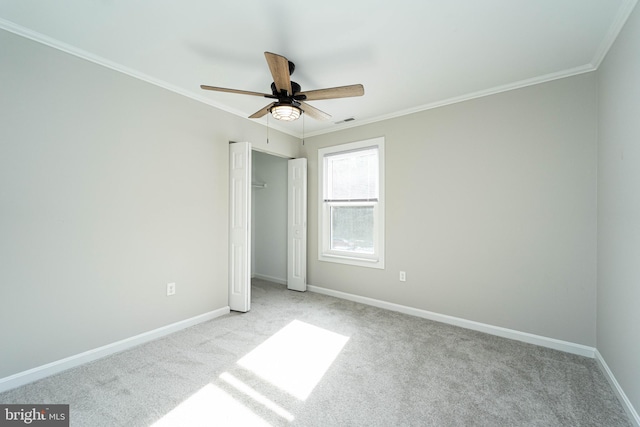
point(356, 261)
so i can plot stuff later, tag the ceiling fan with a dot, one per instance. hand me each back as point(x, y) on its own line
point(290, 102)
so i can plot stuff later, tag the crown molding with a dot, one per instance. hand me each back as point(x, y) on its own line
point(466, 97)
point(616, 26)
point(623, 14)
point(83, 54)
point(621, 18)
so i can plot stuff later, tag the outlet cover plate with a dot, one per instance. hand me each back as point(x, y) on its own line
point(171, 289)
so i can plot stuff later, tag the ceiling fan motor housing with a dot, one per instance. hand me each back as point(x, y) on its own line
point(295, 87)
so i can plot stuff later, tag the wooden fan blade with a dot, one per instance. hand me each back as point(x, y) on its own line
point(279, 67)
point(242, 92)
point(314, 112)
point(334, 92)
point(262, 111)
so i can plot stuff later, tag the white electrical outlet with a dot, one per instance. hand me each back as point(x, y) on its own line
point(171, 289)
point(403, 276)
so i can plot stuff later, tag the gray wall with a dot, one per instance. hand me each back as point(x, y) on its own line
point(269, 217)
point(619, 209)
point(109, 188)
point(491, 211)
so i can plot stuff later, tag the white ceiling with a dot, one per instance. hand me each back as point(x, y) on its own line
point(410, 55)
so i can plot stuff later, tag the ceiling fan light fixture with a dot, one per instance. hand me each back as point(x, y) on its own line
point(285, 112)
point(290, 100)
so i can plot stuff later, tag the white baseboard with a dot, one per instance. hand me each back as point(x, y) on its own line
point(553, 343)
point(622, 397)
point(25, 377)
point(568, 347)
point(270, 278)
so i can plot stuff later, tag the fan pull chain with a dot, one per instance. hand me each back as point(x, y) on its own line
point(267, 128)
point(303, 128)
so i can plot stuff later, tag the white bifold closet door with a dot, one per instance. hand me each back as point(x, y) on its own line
point(240, 226)
point(297, 225)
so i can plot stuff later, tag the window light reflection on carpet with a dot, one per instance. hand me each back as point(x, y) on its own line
point(295, 358)
point(211, 406)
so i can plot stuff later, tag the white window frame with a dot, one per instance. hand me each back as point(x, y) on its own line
point(325, 253)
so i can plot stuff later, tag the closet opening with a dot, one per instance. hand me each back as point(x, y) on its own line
point(268, 217)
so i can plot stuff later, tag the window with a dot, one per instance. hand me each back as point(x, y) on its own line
point(351, 214)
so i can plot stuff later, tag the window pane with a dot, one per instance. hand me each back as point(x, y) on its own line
point(352, 229)
point(353, 175)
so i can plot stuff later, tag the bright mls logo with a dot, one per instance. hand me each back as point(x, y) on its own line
point(34, 415)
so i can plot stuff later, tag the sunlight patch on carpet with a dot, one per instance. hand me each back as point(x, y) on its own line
point(256, 396)
point(295, 358)
point(211, 406)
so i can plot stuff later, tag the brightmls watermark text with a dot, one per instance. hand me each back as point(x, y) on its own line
point(38, 415)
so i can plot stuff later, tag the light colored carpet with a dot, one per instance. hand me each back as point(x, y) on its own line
point(311, 360)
